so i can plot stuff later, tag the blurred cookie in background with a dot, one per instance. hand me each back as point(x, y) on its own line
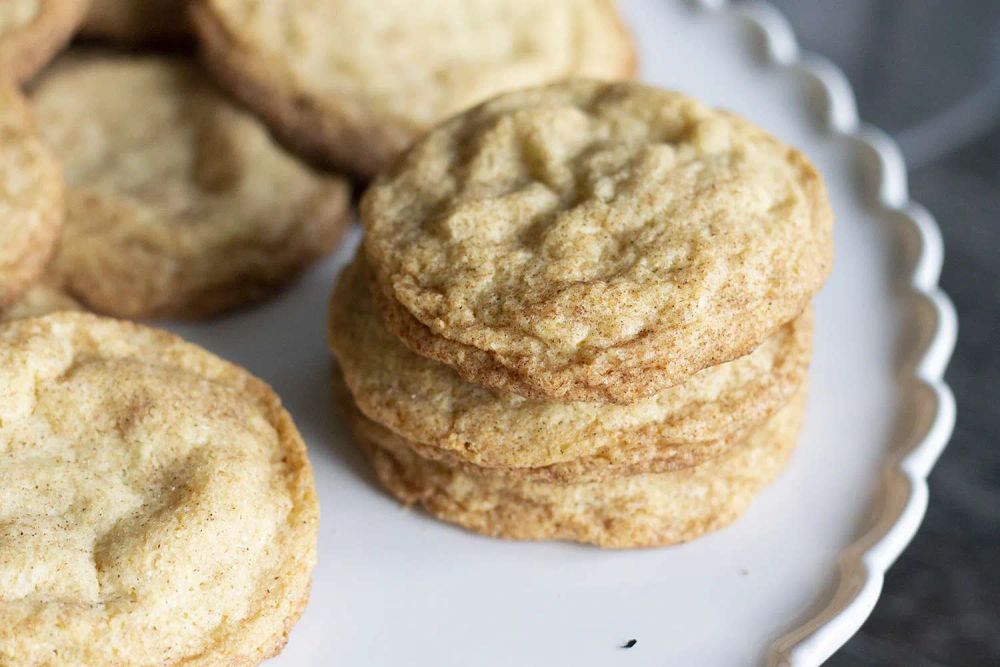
point(350, 83)
point(31, 197)
point(33, 31)
point(40, 299)
point(179, 205)
point(158, 507)
point(644, 510)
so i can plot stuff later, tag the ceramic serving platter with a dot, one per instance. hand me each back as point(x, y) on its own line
point(788, 583)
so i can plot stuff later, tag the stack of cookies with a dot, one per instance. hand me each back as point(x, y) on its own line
point(168, 213)
point(582, 312)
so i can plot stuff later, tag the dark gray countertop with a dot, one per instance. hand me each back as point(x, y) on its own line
point(928, 72)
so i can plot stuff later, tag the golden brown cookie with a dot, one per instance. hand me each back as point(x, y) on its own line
point(33, 31)
point(643, 510)
point(158, 503)
point(594, 241)
point(41, 299)
point(31, 197)
point(137, 21)
point(628, 458)
point(449, 419)
point(352, 82)
point(184, 209)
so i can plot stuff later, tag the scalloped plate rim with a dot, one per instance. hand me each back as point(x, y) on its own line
point(864, 562)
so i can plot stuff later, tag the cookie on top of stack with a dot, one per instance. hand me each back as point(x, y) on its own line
point(582, 311)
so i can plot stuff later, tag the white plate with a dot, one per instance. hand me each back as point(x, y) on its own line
point(784, 584)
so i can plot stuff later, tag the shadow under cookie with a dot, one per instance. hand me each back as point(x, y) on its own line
point(32, 33)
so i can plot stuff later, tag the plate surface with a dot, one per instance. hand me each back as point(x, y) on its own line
point(784, 584)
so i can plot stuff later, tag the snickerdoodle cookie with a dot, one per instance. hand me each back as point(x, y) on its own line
point(33, 31)
point(450, 419)
point(178, 204)
point(40, 299)
point(352, 82)
point(653, 509)
point(158, 503)
point(137, 21)
point(31, 197)
point(594, 241)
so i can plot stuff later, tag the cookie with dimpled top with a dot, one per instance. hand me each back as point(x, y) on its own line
point(644, 510)
point(137, 21)
point(591, 241)
point(159, 505)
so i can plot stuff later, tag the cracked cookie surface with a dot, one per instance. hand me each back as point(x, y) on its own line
point(158, 504)
point(31, 197)
point(184, 209)
point(352, 82)
point(594, 241)
point(427, 403)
